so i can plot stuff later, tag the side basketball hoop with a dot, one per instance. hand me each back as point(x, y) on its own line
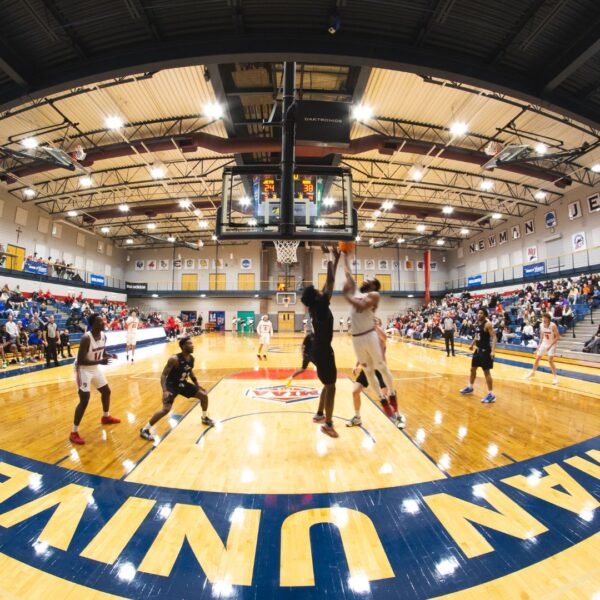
point(287, 251)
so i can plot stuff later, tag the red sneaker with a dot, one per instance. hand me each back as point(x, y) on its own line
point(387, 408)
point(394, 402)
point(110, 420)
point(330, 431)
point(75, 438)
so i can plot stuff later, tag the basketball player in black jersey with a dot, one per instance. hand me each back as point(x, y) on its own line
point(322, 354)
point(485, 342)
point(174, 381)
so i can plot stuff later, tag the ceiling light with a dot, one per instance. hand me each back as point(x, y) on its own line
point(129, 241)
point(357, 238)
point(213, 110)
point(400, 240)
point(440, 242)
point(113, 122)
point(387, 205)
point(496, 216)
point(85, 182)
point(329, 201)
point(203, 224)
point(541, 148)
point(540, 195)
point(197, 212)
point(320, 223)
point(252, 222)
point(595, 167)
point(151, 225)
point(29, 193)
point(372, 241)
point(245, 201)
point(170, 239)
point(123, 207)
point(157, 171)
point(486, 185)
point(369, 224)
point(185, 203)
point(29, 142)
point(214, 237)
point(464, 231)
point(420, 228)
point(459, 128)
point(447, 210)
point(361, 112)
point(105, 229)
point(72, 213)
point(377, 214)
point(416, 173)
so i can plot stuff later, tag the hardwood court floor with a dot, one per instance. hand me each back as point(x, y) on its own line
point(404, 502)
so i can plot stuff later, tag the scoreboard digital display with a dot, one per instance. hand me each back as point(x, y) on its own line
point(304, 187)
point(268, 190)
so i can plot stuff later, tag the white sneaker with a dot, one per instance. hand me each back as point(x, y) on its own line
point(555, 381)
point(529, 375)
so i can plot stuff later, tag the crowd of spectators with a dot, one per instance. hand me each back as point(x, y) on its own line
point(518, 323)
point(61, 269)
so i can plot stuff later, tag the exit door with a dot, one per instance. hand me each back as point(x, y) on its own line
point(285, 320)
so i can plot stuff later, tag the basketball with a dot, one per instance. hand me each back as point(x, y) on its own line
point(346, 247)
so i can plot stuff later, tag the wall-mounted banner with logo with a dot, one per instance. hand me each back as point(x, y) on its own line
point(534, 269)
point(136, 286)
point(532, 254)
point(97, 280)
point(38, 268)
point(475, 280)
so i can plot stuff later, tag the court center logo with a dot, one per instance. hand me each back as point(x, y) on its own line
point(283, 393)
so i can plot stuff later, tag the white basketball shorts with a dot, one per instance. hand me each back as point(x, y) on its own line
point(545, 349)
point(88, 376)
point(367, 348)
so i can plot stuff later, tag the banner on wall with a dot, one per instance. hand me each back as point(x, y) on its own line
point(37, 268)
point(594, 203)
point(129, 285)
point(579, 241)
point(97, 279)
point(534, 269)
point(475, 280)
point(574, 210)
point(139, 265)
point(532, 254)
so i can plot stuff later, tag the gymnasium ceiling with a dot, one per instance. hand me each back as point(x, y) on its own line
point(515, 71)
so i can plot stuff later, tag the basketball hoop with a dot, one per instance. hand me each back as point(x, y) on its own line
point(286, 302)
point(286, 251)
point(493, 148)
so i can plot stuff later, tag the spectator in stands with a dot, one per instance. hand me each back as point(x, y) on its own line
point(36, 343)
point(24, 322)
point(23, 346)
point(567, 316)
point(8, 345)
point(12, 328)
point(528, 334)
point(592, 346)
point(65, 344)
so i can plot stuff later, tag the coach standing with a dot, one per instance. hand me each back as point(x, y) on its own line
point(449, 329)
point(51, 339)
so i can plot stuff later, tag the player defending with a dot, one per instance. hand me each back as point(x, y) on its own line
point(174, 381)
point(322, 355)
point(91, 354)
point(365, 338)
point(132, 325)
point(307, 343)
point(550, 336)
point(485, 340)
point(265, 331)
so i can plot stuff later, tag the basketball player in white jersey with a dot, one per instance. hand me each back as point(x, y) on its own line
point(91, 354)
point(365, 340)
point(549, 337)
point(131, 325)
point(265, 331)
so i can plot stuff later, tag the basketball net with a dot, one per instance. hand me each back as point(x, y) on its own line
point(287, 251)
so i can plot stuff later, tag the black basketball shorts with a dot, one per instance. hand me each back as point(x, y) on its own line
point(483, 359)
point(325, 363)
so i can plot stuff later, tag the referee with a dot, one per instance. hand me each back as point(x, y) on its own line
point(449, 329)
point(51, 338)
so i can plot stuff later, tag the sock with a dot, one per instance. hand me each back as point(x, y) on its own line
point(75, 428)
point(204, 415)
point(320, 413)
point(329, 423)
point(147, 427)
point(106, 414)
point(357, 413)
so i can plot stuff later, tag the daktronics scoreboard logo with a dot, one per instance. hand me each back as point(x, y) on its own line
point(283, 393)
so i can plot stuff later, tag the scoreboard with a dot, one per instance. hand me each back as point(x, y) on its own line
point(304, 187)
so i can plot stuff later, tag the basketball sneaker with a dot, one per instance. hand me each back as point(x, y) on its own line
point(329, 430)
point(555, 381)
point(467, 390)
point(265, 356)
point(207, 421)
point(387, 408)
point(259, 356)
point(489, 398)
point(400, 421)
point(288, 382)
point(75, 438)
point(529, 375)
point(319, 418)
point(146, 434)
point(355, 421)
point(110, 420)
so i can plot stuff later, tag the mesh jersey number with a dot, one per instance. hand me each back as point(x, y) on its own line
point(98, 354)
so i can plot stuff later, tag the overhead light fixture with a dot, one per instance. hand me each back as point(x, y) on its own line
point(320, 222)
point(459, 128)
point(72, 213)
point(400, 240)
point(464, 231)
point(244, 201)
point(540, 195)
point(85, 182)
point(29, 143)
point(129, 241)
point(377, 214)
point(203, 224)
point(372, 241)
point(170, 239)
point(361, 113)
point(105, 229)
point(369, 225)
point(113, 122)
point(420, 228)
point(541, 148)
point(213, 111)
point(151, 225)
point(416, 173)
point(487, 185)
point(440, 242)
point(252, 222)
point(448, 210)
point(496, 216)
point(29, 193)
point(198, 212)
point(357, 238)
point(387, 205)
point(595, 168)
point(157, 171)
point(185, 203)
point(123, 207)
point(214, 238)
point(329, 201)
